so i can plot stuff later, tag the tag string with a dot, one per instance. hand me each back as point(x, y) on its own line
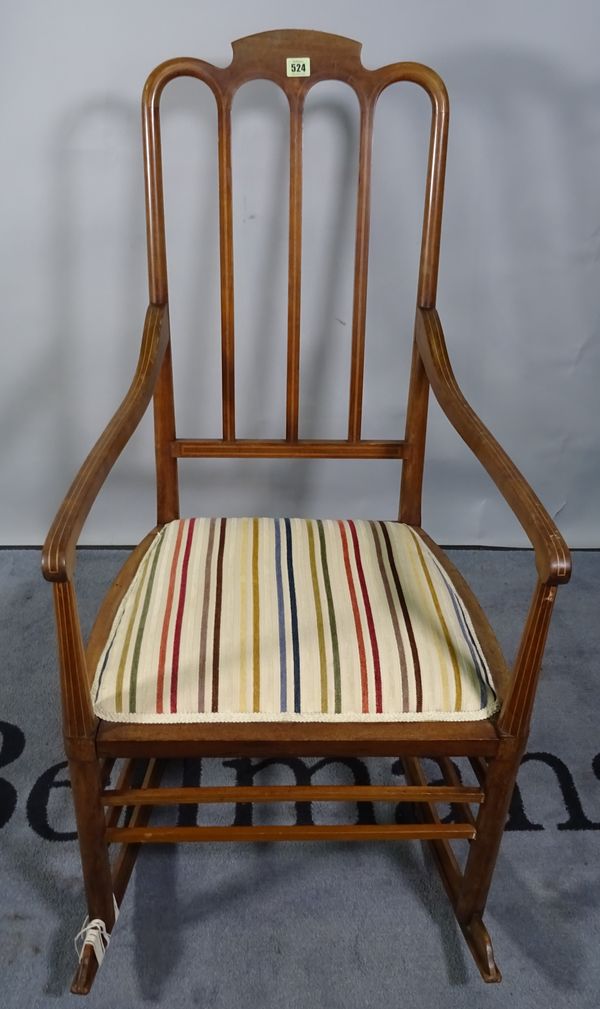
point(95, 934)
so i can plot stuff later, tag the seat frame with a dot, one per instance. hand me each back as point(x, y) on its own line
point(119, 814)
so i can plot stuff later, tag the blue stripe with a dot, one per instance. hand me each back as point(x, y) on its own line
point(294, 616)
point(281, 612)
point(478, 661)
point(482, 664)
point(475, 642)
point(104, 664)
point(474, 656)
point(106, 657)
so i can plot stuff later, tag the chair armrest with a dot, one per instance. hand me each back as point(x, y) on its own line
point(58, 555)
point(553, 560)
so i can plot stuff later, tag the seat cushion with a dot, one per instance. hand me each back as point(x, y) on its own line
point(259, 619)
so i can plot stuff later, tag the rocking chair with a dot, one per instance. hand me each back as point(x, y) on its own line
point(293, 637)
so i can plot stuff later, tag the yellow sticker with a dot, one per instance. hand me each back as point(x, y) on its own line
point(298, 66)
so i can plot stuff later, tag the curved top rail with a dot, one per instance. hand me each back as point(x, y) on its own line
point(265, 55)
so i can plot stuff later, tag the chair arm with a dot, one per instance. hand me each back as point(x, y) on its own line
point(58, 555)
point(553, 560)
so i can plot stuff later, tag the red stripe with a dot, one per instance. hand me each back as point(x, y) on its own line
point(165, 627)
point(217, 630)
point(179, 617)
point(370, 621)
point(355, 611)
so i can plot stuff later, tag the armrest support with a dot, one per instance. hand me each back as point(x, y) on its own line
point(552, 555)
point(58, 555)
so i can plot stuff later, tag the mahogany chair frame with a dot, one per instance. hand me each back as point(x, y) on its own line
point(494, 746)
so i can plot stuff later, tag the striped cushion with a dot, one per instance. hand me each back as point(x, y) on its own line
point(291, 619)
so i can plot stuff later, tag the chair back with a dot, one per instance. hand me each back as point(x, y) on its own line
point(295, 60)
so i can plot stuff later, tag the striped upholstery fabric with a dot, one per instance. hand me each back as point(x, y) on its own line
point(291, 619)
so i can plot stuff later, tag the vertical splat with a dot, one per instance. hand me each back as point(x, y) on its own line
point(296, 102)
point(226, 255)
point(361, 267)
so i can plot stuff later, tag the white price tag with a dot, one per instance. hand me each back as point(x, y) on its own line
point(298, 66)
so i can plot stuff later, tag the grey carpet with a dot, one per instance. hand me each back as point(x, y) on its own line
point(324, 925)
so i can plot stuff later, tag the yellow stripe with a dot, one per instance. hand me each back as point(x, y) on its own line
point(319, 611)
point(444, 626)
point(127, 642)
point(243, 613)
point(419, 608)
point(255, 620)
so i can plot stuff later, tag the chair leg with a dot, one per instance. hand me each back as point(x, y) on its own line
point(483, 852)
point(86, 785)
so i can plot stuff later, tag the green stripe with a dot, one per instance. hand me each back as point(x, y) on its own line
point(443, 625)
point(337, 679)
point(319, 612)
point(127, 641)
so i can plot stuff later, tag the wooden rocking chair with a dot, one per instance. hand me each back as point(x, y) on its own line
point(292, 637)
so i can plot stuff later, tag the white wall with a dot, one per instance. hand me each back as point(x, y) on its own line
point(519, 278)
